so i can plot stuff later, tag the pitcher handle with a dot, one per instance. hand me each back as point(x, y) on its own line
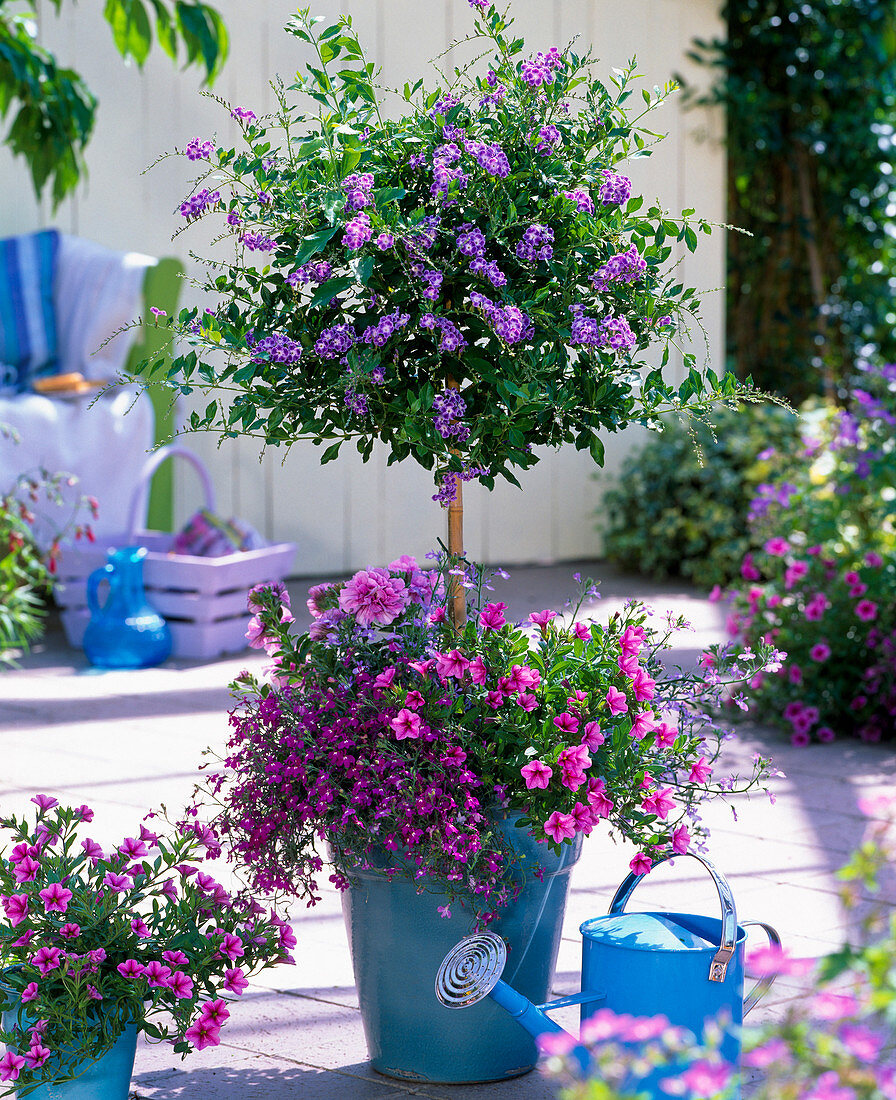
point(719, 965)
point(105, 572)
point(762, 987)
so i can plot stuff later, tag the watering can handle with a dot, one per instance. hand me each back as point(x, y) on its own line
point(762, 987)
point(719, 965)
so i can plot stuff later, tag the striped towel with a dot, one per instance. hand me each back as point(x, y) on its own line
point(28, 346)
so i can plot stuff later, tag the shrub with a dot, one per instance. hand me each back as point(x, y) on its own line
point(680, 510)
point(823, 584)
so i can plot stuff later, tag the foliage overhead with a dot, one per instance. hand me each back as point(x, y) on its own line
point(483, 242)
point(809, 90)
point(52, 108)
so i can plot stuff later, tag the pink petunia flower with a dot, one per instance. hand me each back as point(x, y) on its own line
point(542, 618)
point(157, 974)
point(55, 898)
point(478, 670)
point(203, 1033)
point(643, 724)
point(582, 631)
point(748, 570)
point(235, 981)
point(30, 992)
point(700, 771)
point(181, 985)
point(131, 968)
point(820, 651)
point(38, 1053)
point(566, 722)
point(616, 701)
point(132, 848)
point(453, 665)
point(777, 546)
point(761, 1057)
point(11, 1065)
point(119, 883)
point(26, 870)
point(527, 701)
point(492, 616)
point(15, 906)
point(215, 1012)
point(641, 864)
point(597, 798)
point(560, 827)
point(138, 927)
point(866, 610)
point(92, 849)
point(406, 724)
point(660, 803)
point(44, 802)
point(536, 774)
point(47, 959)
point(643, 686)
point(232, 946)
point(175, 958)
point(592, 738)
point(374, 597)
point(861, 1041)
point(665, 735)
point(681, 840)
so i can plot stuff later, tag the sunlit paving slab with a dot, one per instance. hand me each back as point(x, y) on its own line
point(127, 742)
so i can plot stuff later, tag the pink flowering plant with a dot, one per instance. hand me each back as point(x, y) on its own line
point(402, 740)
point(823, 585)
point(94, 941)
point(461, 283)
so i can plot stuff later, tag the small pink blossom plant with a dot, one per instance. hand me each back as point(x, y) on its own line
point(93, 940)
point(385, 729)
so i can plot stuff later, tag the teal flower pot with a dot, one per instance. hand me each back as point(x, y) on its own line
point(108, 1078)
point(398, 941)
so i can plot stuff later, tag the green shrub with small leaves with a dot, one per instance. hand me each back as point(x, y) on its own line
point(679, 507)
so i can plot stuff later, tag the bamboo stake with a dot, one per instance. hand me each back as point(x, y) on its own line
point(457, 596)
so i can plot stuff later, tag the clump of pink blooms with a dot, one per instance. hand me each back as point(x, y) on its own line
point(386, 729)
point(138, 933)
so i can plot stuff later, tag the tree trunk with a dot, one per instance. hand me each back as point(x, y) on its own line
point(457, 594)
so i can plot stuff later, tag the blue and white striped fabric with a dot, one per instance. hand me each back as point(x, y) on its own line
point(27, 319)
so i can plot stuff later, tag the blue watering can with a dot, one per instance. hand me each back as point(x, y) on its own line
point(687, 968)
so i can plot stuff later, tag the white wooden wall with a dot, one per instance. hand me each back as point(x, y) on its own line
point(348, 514)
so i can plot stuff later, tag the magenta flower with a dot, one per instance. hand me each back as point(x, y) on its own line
point(29, 992)
point(11, 1065)
point(55, 898)
point(202, 1033)
point(46, 959)
point(660, 803)
point(681, 840)
point(38, 1053)
point(492, 616)
point(749, 572)
point(26, 870)
point(119, 883)
point(700, 771)
point(866, 610)
point(453, 664)
point(132, 848)
point(235, 981)
point(592, 738)
point(566, 722)
point(777, 546)
point(157, 974)
point(215, 1012)
point(373, 596)
point(820, 651)
point(232, 946)
point(406, 724)
point(139, 928)
point(542, 618)
point(873, 559)
point(536, 774)
point(643, 686)
point(582, 631)
point(478, 670)
point(44, 802)
point(616, 701)
point(15, 906)
point(816, 607)
point(761, 1057)
point(560, 827)
point(861, 1041)
point(641, 864)
point(131, 968)
point(527, 701)
point(181, 985)
point(642, 725)
point(175, 958)
point(706, 1078)
point(92, 849)
point(84, 813)
point(770, 960)
point(414, 700)
point(828, 1005)
point(522, 677)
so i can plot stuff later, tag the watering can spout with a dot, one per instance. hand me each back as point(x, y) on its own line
point(472, 970)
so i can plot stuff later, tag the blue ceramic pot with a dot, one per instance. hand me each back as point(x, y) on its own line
point(108, 1078)
point(398, 941)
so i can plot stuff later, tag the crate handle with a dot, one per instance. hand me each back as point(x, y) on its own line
point(141, 490)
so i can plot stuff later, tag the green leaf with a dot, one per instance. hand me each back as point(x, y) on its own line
point(131, 29)
point(330, 289)
point(314, 242)
point(596, 447)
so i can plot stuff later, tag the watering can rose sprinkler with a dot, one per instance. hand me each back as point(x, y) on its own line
point(687, 968)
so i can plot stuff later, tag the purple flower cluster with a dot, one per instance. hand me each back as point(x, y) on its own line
point(450, 409)
point(383, 331)
point(258, 242)
point(199, 203)
point(549, 137)
point(444, 104)
point(581, 198)
point(508, 323)
point(610, 331)
point(615, 190)
point(357, 190)
point(470, 241)
point(540, 69)
point(447, 493)
point(491, 157)
point(335, 342)
point(423, 238)
point(624, 267)
point(278, 349)
point(384, 241)
point(433, 281)
point(357, 232)
point(356, 402)
point(310, 273)
point(243, 115)
point(199, 150)
point(537, 244)
point(451, 339)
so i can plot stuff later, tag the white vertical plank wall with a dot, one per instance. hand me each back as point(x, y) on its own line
point(349, 514)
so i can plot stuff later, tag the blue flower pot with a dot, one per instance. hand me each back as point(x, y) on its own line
point(108, 1078)
point(398, 941)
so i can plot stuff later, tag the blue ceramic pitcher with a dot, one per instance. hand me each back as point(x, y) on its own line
point(124, 631)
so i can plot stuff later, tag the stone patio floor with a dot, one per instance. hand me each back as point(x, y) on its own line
point(126, 742)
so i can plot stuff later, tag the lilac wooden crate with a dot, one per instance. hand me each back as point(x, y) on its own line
point(203, 599)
